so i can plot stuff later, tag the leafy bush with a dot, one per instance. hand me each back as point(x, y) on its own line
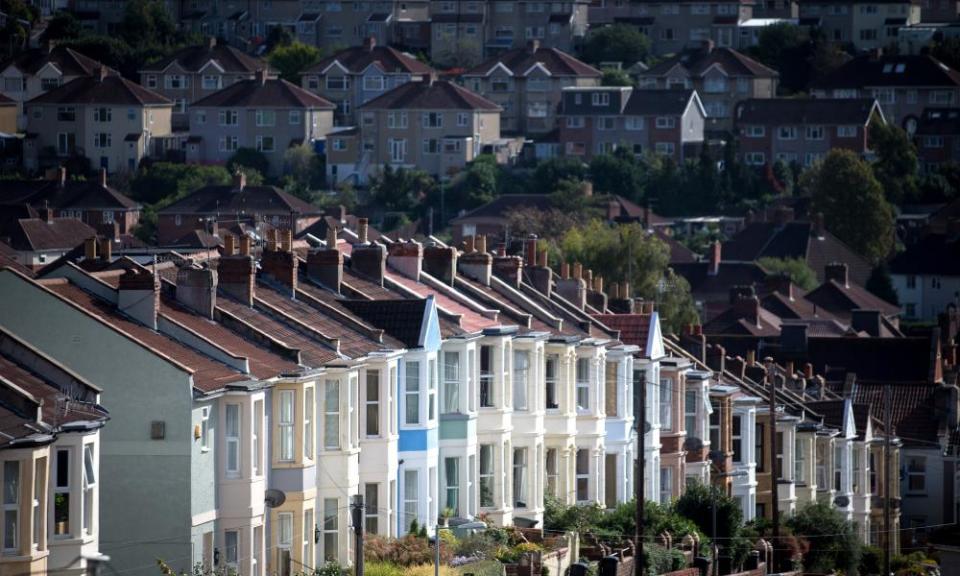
point(660, 560)
point(382, 569)
point(871, 560)
point(407, 551)
point(833, 541)
point(331, 569)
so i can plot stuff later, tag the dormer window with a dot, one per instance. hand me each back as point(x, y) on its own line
point(600, 99)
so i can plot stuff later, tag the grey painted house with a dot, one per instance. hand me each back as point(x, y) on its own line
point(266, 114)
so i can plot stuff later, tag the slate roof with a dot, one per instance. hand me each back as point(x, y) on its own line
point(402, 319)
point(730, 321)
point(794, 239)
point(249, 200)
point(430, 95)
point(657, 102)
point(891, 70)
point(36, 234)
point(842, 300)
point(268, 93)
point(896, 360)
point(115, 90)
point(194, 58)
point(784, 111)
point(75, 194)
point(8, 259)
point(933, 254)
point(67, 60)
point(465, 319)
point(208, 374)
point(911, 409)
point(697, 61)
point(729, 274)
point(356, 59)
point(520, 60)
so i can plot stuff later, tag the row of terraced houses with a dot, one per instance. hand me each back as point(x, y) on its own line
point(431, 379)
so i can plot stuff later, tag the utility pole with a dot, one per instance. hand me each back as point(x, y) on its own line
point(887, 432)
point(357, 512)
point(641, 422)
point(774, 473)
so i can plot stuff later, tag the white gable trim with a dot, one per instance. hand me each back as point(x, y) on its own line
point(695, 100)
point(501, 66)
point(212, 63)
point(540, 66)
point(374, 64)
point(338, 65)
point(50, 65)
point(716, 66)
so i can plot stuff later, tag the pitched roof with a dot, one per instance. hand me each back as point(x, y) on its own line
point(729, 274)
point(520, 60)
point(891, 70)
point(8, 259)
point(74, 194)
point(430, 95)
point(67, 60)
point(933, 254)
point(781, 111)
point(37, 234)
point(912, 409)
point(944, 121)
point(634, 328)
point(208, 374)
point(266, 92)
point(796, 239)
point(658, 102)
point(115, 90)
point(356, 59)
point(195, 58)
point(250, 199)
point(402, 319)
point(896, 360)
point(841, 299)
point(697, 61)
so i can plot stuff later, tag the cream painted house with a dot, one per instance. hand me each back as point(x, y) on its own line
point(112, 121)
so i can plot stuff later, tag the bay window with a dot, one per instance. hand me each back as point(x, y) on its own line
point(737, 436)
point(666, 404)
point(372, 427)
point(690, 414)
point(89, 485)
point(550, 370)
point(583, 384)
point(486, 377)
point(610, 396)
point(331, 415)
point(412, 394)
point(232, 436)
point(286, 425)
point(330, 529)
point(451, 382)
point(308, 407)
point(520, 483)
point(61, 494)
point(486, 475)
point(521, 371)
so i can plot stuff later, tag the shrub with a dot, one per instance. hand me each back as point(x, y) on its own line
point(428, 570)
point(331, 569)
point(407, 551)
point(660, 560)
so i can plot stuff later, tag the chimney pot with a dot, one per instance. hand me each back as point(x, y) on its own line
point(229, 245)
point(244, 245)
point(362, 225)
point(469, 244)
point(482, 243)
point(262, 76)
point(211, 42)
point(565, 270)
point(531, 250)
point(625, 290)
point(715, 258)
point(370, 42)
point(331, 238)
point(239, 180)
point(577, 271)
point(106, 249)
point(543, 260)
point(90, 248)
point(614, 291)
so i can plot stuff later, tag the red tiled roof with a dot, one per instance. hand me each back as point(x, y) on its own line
point(208, 375)
point(356, 59)
point(263, 363)
point(469, 321)
point(58, 234)
point(520, 60)
point(108, 90)
point(634, 328)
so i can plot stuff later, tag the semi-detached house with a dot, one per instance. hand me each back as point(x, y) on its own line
point(112, 121)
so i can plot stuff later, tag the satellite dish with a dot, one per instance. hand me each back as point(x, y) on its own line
point(646, 426)
point(841, 501)
point(274, 498)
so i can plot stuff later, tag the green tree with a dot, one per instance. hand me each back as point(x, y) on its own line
point(697, 504)
point(14, 35)
point(785, 47)
point(616, 77)
point(617, 43)
point(401, 189)
point(278, 36)
point(896, 166)
point(834, 544)
point(476, 185)
point(248, 158)
point(796, 269)
point(947, 51)
point(549, 173)
point(164, 182)
point(853, 205)
point(290, 61)
point(627, 252)
point(147, 22)
point(62, 26)
point(619, 174)
point(881, 285)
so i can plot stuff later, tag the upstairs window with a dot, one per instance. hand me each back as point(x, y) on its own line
point(451, 382)
point(372, 414)
point(331, 415)
point(583, 384)
point(486, 377)
point(550, 370)
point(285, 422)
point(412, 394)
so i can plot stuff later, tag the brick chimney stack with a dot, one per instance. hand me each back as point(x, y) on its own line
point(368, 258)
point(406, 258)
point(281, 262)
point(138, 296)
point(197, 289)
point(508, 268)
point(596, 298)
point(441, 263)
point(476, 263)
point(837, 271)
point(574, 289)
point(106, 249)
point(237, 273)
point(90, 248)
point(326, 264)
point(370, 42)
point(716, 255)
point(538, 270)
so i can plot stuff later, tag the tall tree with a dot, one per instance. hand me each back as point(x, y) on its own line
point(617, 43)
point(550, 173)
point(853, 204)
point(881, 284)
point(616, 77)
point(146, 23)
point(896, 166)
point(293, 59)
point(618, 174)
point(834, 544)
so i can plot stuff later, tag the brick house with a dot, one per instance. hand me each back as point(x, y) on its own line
point(866, 24)
point(794, 130)
point(599, 120)
point(904, 85)
point(527, 83)
point(937, 137)
point(721, 76)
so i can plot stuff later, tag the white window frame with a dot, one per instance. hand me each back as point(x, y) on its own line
point(331, 415)
point(411, 394)
point(232, 439)
point(308, 419)
point(583, 384)
point(286, 422)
